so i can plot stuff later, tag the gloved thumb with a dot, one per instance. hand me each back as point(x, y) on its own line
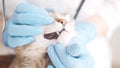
point(73, 50)
point(50, 66)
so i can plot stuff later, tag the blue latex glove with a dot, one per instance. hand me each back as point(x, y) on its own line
point(62, 59)
point(24, 24)
point(75, 55)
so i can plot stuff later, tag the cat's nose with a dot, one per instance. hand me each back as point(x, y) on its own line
point(62, 21)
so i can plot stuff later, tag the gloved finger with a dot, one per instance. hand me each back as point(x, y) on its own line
point(66, 59)
point(61, 52)
point(78, 40)
point(28, 8)
point(54, 58)
point(75, 45)
point(32, 19)
point(86, 59)
point(77, 51)
point(73, 50)
point(24, 30)
point(86, 30)
point(69, 61)
point(50, 66)
point(19, 41)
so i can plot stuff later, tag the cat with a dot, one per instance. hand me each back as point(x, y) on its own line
point(35, 55)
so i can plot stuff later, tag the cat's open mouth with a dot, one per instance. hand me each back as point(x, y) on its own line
point(55, 35)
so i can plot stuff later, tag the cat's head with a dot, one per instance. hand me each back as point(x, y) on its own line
point(62, 30)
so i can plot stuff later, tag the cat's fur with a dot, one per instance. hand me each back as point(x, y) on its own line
point(35, 55)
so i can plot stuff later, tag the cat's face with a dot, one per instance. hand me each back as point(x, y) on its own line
point(59, 27)
point(61, 31)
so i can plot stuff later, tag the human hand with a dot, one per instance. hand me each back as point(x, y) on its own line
point(75, 55)
point(24, 24)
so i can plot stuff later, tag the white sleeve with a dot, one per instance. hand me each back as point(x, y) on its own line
point(110, 11)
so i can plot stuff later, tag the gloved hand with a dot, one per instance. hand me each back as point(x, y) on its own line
point(24, 24)
point(75, 55)
point(62, 59)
